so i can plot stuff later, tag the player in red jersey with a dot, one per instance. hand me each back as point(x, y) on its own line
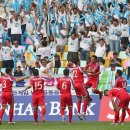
point(64, 86)
point(120, 82)
point(7, 94)
point(93, 71)
point(122, 102)
point(37, 83)
point(78, 80)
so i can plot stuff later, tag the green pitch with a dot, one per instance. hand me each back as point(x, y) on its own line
point(61, 126)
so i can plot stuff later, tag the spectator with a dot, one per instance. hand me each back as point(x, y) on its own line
point(18, 72)
point(6, 53)
point(114, 36)
point(73, 47)
point(115, 61)
point(102, 67)
point(16, 31)
point(85, 45)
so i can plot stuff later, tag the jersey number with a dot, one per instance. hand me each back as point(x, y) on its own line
point(75, 73)
point(4, 84)
point(64, 86)
point(38, 85)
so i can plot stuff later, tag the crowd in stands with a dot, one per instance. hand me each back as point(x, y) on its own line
point(56, 32)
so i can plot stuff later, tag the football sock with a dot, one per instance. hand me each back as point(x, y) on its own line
point(62, 112)
point(116, 119)
point(2, 113)
point(79, 106)
point(43, 111)
point(70, 115)
point(85, 105)
point(123, 116)
point(35, 116)
point(11, 113)
point(128, 110)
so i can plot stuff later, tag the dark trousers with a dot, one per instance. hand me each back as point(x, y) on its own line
point(8, 63)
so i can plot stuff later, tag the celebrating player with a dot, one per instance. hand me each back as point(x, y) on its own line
point(78, 80)
point(38, 95)
point(93, 71)
point(7, 95)
point(122, 102)
point(120, 82)
point(64, 86)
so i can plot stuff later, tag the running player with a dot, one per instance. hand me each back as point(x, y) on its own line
point(64, 86)
point(7, 94)
point(37, 83)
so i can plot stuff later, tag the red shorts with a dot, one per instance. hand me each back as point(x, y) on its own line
point(92, 83)
point(79, 89)
point(7, 98)
point(65, 100)
point(38, 100)
point(124, 102)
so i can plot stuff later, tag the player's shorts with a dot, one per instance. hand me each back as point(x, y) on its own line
point(38, 100)
point(65, 100)
point(79, 89)
point(92, 83)
point(7, 98)
point(124, 102)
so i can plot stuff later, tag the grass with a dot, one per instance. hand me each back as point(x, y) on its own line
point(61, 126)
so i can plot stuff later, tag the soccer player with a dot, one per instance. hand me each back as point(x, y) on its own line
point(64, 86)
point(122, 102)
point(78, 80)
point(93, 71)
point(120, 81)
point(37, 83)
point(7, 94)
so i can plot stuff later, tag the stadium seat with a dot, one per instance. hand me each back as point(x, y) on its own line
point(60, 71)
point(63, 63)
point(91, 53)
point(107, 62)
point(122, 55)
point(64, 56)
point(82, 63)
point(66, 48)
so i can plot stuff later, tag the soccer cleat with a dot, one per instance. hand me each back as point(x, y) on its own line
point(114, 123)
point(121, 123)
point(84, 116)
point(42, 118)
point(36, 123)
point(11, 123)
point(80, 116)
point(63, 119)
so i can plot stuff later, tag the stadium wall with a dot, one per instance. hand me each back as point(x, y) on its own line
point(96, 111)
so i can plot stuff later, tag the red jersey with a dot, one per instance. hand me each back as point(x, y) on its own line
point(119, 93)
point(77, 75)
point(7, 83)
point(38, 85)
point(64, 85)
point(120, 83)
point(95, 68)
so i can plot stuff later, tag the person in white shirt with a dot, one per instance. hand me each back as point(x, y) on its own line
point(85, 45)
point(114, 36)
point(125, 32)
point(16, 31)
point(102, 67)
point(100, 48)
point(73, 47)
point(8, 59)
